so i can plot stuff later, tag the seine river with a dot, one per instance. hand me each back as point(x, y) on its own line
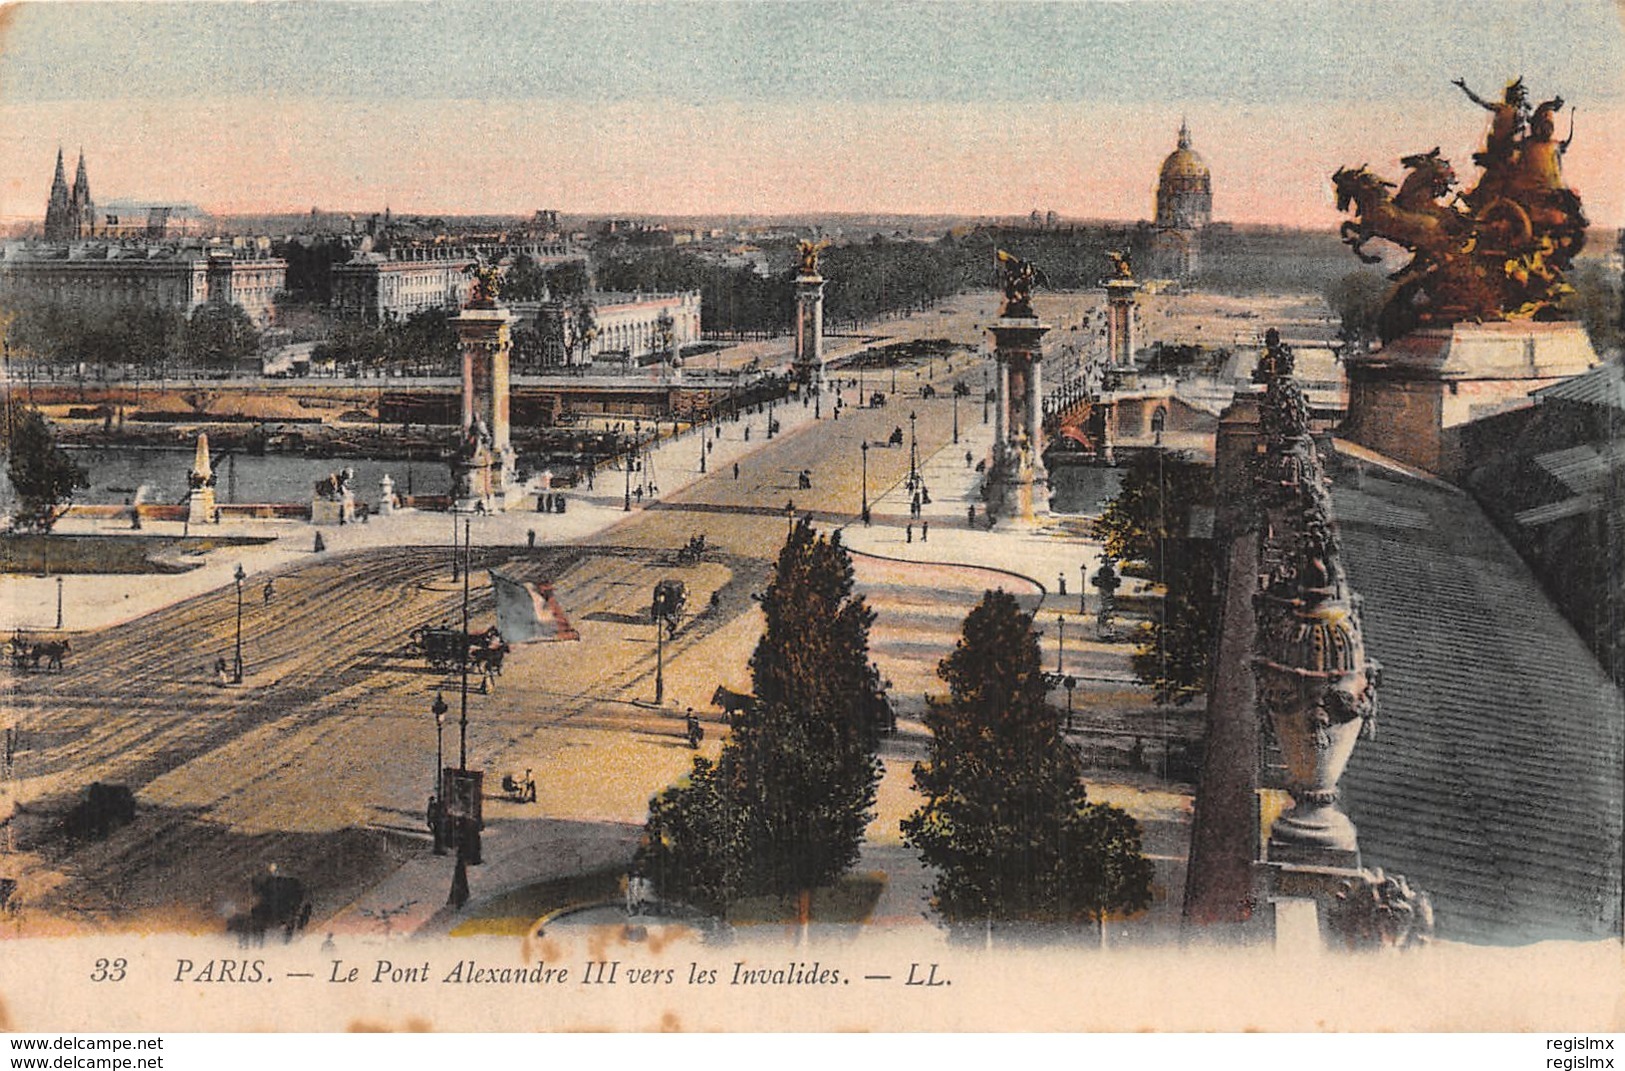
point(116, 474)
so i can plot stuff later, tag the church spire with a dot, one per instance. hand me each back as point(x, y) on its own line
point(58, 209)
point(1184, 133)
point(81, 181)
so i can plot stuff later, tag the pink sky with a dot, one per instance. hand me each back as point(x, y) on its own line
point(1082, 159)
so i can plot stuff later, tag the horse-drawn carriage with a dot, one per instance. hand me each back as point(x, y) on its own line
point(446, 647)
point(24, 653)
point(693, 551)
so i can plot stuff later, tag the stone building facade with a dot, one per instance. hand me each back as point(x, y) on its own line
point(377, 286)
point(166, 276)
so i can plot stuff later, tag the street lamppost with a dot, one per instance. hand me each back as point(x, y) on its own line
point(894, 376)
point(956, 417)
point(660, 650)
point(863, 403)
point(984, 396)
point(626, 463)
point(865, 449)
point(462, 725)
point(1083, 586)
point(439, 711)
point(456, 573)
point(705, 443)
point(237, 658)
point(59, 604)
point(1060, 635)
point(913, 455)
point(770, 417)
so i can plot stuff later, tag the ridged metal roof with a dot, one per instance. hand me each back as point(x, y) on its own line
point(1495, 780)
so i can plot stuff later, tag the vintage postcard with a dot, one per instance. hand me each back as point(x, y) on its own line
point(785, 516)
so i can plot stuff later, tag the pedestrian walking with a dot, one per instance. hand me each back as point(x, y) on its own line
point(530, 538)
point(321, 544)
point(970, 515)
point(910, 530)
point(1061, 579)
point(736, 470)
point(925, 531)
point(270, 589)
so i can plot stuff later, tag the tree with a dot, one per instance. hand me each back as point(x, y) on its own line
point(42, 473)
point(785, 806)
point(1007, 823)
point(219, 335)
point(1148, 524)
point(1358, 299)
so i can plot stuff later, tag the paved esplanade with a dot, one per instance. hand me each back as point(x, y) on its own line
point(322, 761)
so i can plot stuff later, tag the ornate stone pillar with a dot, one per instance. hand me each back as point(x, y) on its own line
point(1120, 334)
point(809, 359)
point(1018, 481)
point(486, 466)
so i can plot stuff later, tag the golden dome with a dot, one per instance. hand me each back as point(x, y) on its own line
point(1183, 163)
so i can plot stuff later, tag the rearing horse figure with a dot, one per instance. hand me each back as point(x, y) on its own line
point(1431, 231)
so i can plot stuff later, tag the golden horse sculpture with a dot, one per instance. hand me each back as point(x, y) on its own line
point(1496, 252)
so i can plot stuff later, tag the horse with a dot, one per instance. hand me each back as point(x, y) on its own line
point(488, 659)
point(52, 651)
point(731, 702)
point(1431, 232)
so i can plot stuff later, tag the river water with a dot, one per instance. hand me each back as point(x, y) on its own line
point(116, 474)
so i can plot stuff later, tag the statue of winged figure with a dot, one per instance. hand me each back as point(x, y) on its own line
point(807, 255)
point(1019, 277)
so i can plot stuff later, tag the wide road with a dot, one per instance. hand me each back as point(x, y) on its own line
point(321, 760)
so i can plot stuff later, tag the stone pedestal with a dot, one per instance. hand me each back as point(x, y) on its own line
point(386, 496)
point(1411, 399)
point(485, 471)
point(1017, 482)
point(337, 510)
point(809, 358)
point(200, 506)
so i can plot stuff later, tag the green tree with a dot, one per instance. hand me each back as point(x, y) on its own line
point(1358, 299)
point(784, 809)
point(219, 334)
point(1007, 824)
point(1149, 527)
point(42, 474)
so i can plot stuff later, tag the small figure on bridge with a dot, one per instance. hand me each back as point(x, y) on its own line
point(270, 589)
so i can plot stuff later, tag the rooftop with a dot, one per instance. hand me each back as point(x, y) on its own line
point(1494, 781)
